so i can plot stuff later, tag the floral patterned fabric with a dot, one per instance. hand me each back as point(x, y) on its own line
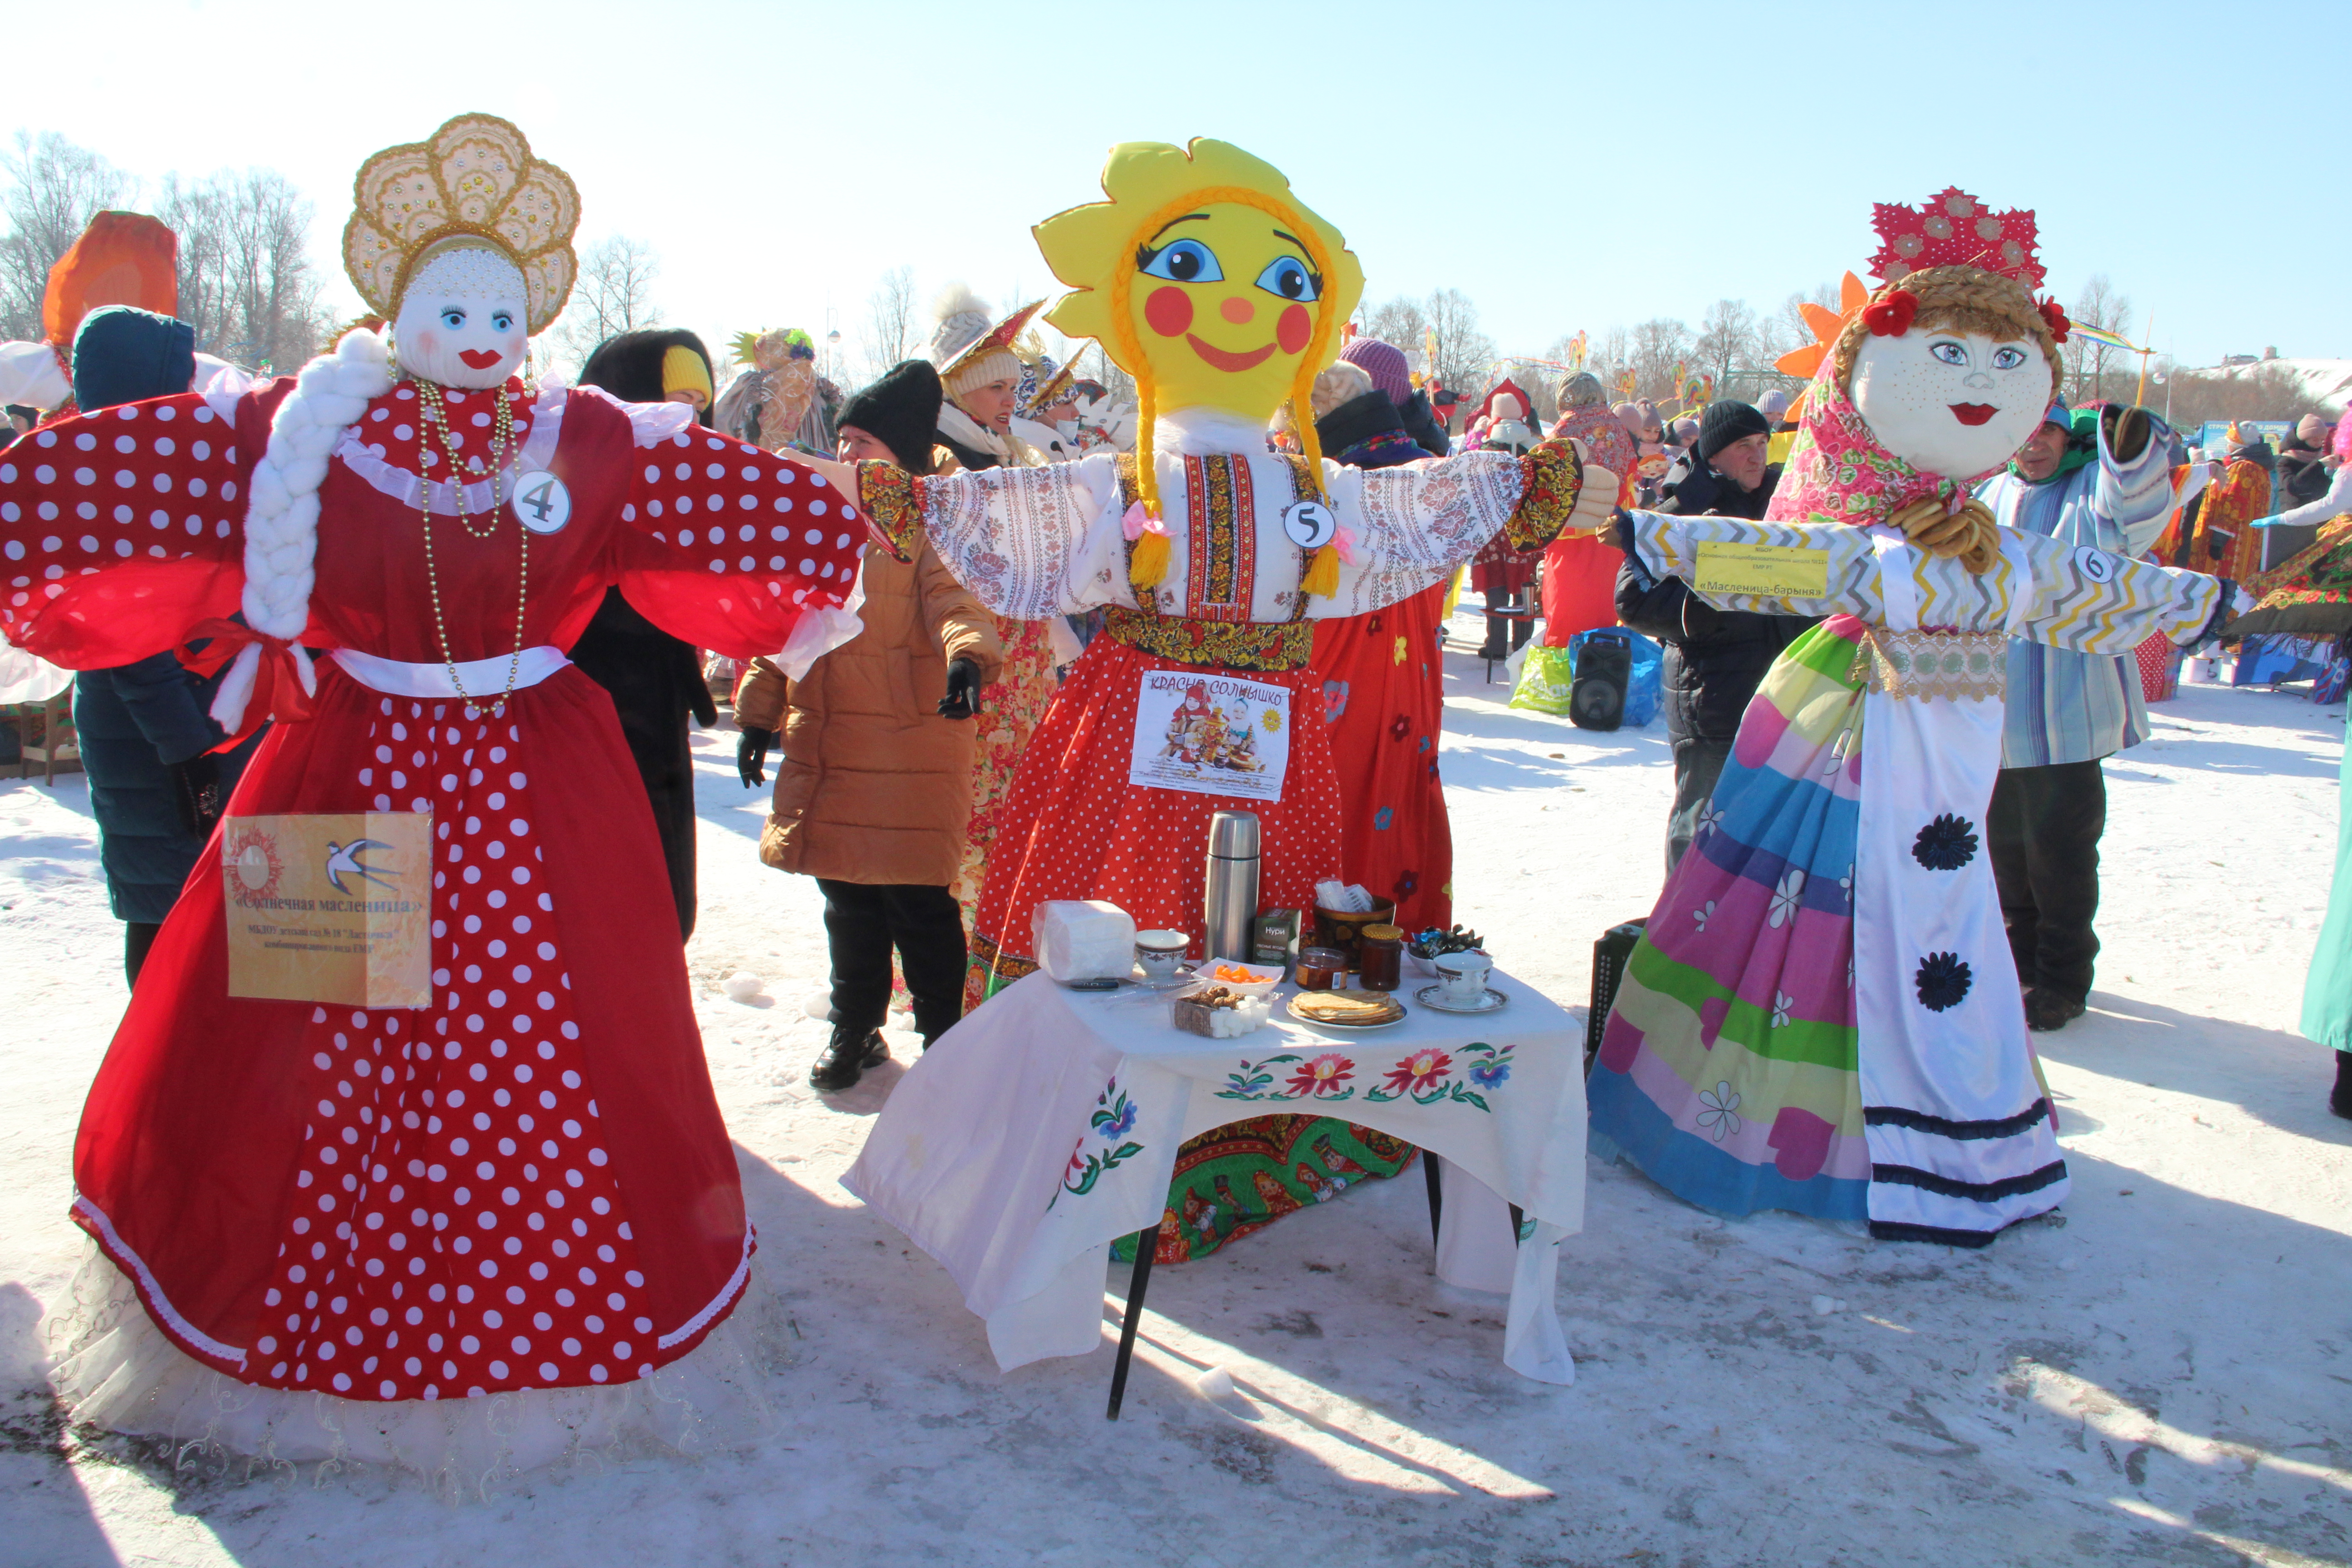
point(1384, 701)
point(1241, 1177)
point(1010, 711)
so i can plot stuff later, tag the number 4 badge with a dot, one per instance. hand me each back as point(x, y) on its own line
point(542, 503)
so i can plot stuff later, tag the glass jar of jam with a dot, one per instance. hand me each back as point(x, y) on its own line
point(1380, 959)
point(1320, 968)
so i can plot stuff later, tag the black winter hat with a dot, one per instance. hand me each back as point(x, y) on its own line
point(901, 410)
point(1725, 422)
point(124, 354)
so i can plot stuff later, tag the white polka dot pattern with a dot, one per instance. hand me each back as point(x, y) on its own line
point(152, 481)
point(457, 1228)
point(726, 507)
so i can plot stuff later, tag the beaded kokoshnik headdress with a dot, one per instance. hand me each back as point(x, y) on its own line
point(474, 178)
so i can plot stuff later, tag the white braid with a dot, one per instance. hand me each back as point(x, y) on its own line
point(282, 519)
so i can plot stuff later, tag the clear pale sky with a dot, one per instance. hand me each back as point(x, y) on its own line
point(1566, 166)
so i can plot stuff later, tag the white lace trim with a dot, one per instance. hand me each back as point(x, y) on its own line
point(650, 423)
point(115, 1371)
point(120, 1251)
point(718, 1303)
point(386, 478)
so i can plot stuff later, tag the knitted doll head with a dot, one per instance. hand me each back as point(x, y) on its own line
point(463, 317)
point(1203, 279)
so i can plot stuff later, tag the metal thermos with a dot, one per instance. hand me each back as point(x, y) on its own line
point(1231, 904)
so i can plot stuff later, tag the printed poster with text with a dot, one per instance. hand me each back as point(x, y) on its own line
point(1211, 734)
point(331, 907)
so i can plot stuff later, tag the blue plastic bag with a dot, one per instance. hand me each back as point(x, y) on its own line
point(1646, 687)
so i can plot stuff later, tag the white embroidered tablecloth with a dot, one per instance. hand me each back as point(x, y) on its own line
point(1044, 1126)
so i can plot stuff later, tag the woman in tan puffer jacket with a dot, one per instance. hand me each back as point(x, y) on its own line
point(875, 787)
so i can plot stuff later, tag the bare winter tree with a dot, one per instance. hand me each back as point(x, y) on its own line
point(2188, 398)
point(1465, 356)
point(614, 294)
point(892, 331)
point(2088, 364)
point(1657, 346)
point(1402, 322)
point(1726, 348)
point(55, 189)
point(247, 283)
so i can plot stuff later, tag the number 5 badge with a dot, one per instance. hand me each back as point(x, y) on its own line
point(542, 503)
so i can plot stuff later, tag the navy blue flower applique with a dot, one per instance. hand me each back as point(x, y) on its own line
point(1946, 844)
point(1942, 980)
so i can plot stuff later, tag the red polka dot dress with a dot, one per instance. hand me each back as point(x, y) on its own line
point(525, 1184)
point(1231, 600)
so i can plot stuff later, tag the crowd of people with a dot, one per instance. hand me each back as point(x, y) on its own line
point(413, 584)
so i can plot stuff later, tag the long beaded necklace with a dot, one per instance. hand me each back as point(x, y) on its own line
point(432, 416)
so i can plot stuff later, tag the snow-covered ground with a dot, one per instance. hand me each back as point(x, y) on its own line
point(2164, 1377)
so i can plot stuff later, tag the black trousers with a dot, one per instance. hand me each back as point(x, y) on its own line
point(1697, 766)
point(862, 922)
point(137, 936)
point(2044, 834)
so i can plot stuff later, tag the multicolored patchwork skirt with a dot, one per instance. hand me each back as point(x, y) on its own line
point(1243, 1176)
point(1727, 1071)
point(1822, 1015)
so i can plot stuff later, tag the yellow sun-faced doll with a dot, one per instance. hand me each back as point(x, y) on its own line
point(1211, 556)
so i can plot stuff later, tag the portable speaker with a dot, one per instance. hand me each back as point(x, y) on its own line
point(1604, 668)
point(1609, 957)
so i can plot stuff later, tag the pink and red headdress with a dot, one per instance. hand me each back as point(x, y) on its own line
point(1952, 229)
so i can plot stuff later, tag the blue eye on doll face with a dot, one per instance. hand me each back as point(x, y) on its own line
point(453, 318)
point(1286, 278)
point(1185, 261)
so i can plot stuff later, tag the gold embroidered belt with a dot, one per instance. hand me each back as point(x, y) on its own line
point(1974, 665)
point(1232, 645)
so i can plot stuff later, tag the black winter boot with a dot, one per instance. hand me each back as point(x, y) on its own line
point(2046, 1010)
point(2340, 1099)
point(846, 1058)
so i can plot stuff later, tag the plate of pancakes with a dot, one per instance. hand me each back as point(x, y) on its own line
point(1347, 1009)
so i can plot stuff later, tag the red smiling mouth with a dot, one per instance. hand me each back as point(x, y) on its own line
point(480, 359)
point(1224, 359)
point(1973, 413)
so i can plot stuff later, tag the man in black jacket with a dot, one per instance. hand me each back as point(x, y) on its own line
point(2303, 474)
point(1714, 659)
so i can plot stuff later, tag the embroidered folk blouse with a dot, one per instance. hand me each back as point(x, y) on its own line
point(1031, 542)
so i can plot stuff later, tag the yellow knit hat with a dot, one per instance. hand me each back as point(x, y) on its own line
point(683, 370)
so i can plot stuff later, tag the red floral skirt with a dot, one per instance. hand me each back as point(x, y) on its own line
point(1075, 827)
point(1383, 693)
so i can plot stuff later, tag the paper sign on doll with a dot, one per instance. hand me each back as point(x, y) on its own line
point(1765, 571)
point(329, 907)
point(1211, 734)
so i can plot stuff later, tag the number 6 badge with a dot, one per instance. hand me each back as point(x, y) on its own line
point(542, 502)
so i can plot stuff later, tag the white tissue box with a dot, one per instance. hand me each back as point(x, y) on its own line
point(1083, 939)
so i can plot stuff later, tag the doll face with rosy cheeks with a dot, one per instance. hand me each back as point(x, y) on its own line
point(1224, 300)
point(463, 319)
point(1951, 402)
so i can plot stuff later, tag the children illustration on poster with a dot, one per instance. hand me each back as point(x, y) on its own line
point(1212, 735)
